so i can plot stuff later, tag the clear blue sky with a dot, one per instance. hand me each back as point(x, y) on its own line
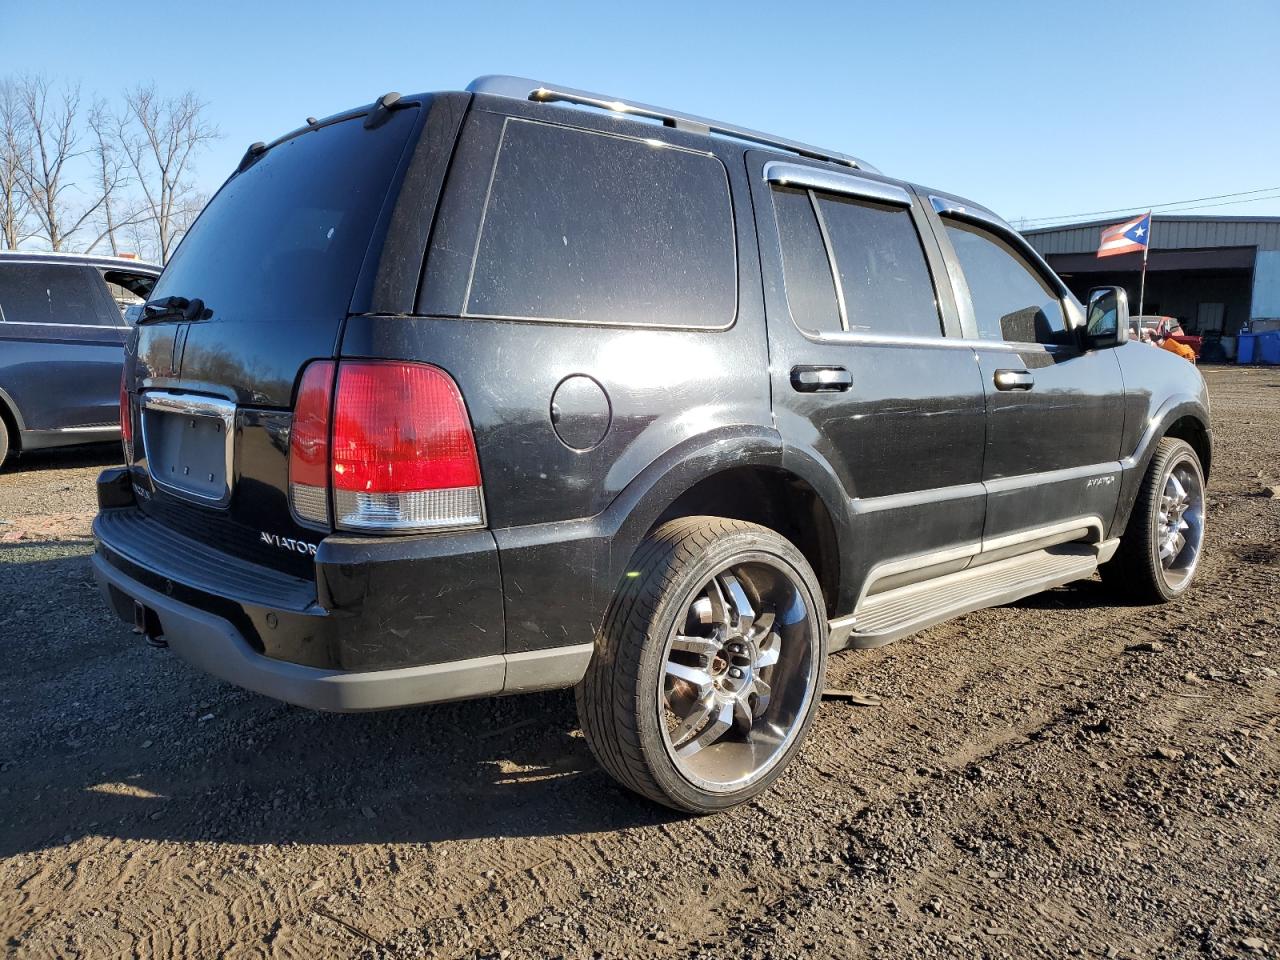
point(1034, 109)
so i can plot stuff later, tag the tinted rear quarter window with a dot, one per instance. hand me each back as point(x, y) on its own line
point(585, 227)
point(286, 238)
point(51, 293)
point(1011, 301)
point(806, 269)
point(884, 282)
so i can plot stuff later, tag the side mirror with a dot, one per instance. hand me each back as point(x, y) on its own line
point(1108, 318)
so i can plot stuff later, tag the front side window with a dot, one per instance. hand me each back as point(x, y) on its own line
point(49, 293)
point(585, 227)
point(881, 282)
point(1011, 301)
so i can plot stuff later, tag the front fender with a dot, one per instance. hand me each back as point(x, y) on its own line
point(1133, 467)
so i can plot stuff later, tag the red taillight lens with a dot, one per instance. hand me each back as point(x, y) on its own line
point(126, 420)
point(404, 457)
point(309, 444)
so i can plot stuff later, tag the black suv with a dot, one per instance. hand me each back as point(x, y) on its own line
point(525, 387)
point(62, 334)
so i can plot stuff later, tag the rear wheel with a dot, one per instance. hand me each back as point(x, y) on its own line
point(709, 665)
point(4, 441)
point(1160, 550)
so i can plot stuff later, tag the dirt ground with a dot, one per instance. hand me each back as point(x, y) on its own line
point(1053, 778)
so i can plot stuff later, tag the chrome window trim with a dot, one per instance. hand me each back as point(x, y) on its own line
point(815, 178)
point(193, 405)
point(45, 323)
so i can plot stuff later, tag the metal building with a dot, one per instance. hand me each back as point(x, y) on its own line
point(1215, 274)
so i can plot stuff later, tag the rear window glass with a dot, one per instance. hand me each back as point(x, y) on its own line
point(285, 239)
point(51, 293)
point(591, 228)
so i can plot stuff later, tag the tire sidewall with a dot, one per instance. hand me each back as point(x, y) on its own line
point(1178, 452)
point(740, 547)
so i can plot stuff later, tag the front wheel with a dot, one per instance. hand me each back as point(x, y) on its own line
point(1161, 547)
point(709, 666)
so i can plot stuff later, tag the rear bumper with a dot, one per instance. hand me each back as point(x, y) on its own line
point(388, 622)
point(217, 647)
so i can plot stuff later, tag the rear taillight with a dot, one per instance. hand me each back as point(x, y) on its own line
point(126, 420)
point(398, 456)
point(404, 457)
point(309, 444)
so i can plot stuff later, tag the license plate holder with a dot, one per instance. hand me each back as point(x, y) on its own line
point(188, 442)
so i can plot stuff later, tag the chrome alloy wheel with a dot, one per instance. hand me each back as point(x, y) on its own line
point(1180, 525)
point(739, 675)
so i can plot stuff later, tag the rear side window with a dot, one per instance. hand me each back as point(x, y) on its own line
point(586, 227)
point(1011, 301)
point(881, 282)
point(51, 293)
point(806, 269)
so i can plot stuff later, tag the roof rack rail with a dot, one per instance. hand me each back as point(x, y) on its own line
point(522, 88)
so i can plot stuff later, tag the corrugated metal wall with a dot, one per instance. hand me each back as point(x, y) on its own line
point(1167, 233)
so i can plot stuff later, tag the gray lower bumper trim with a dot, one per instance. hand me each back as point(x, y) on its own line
point(215, 646)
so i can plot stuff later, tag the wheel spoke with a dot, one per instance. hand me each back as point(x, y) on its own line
point(713, 732)
point(703, 646)
point(744, 615)
point(696, 717)
point(768, 653)
point(763, 625)
point(719, 606)
point(1179, 492)
point(695, 675)
point(763, 692)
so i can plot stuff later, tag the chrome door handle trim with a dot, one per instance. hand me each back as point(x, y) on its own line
point(820, 379)
point(1014, 380)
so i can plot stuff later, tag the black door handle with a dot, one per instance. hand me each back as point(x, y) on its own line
point(1014, 380)
point(817, 379)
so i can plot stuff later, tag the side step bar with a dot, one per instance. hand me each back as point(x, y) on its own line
point(888, 616)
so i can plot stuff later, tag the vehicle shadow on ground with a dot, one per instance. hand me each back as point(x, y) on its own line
point(1082, 595)
point(102, 735)
point(389, 778)
point(92, 455)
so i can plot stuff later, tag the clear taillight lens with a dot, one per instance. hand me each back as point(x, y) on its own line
point(126, 420)
point(403, 454)
point(309, 444)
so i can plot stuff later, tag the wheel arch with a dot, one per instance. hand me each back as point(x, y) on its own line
point(748, 477)
point(11, 417)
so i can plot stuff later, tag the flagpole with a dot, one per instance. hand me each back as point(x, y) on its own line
point(1142, 284)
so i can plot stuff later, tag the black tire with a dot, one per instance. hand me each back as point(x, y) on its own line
point(620, 700)
point(1136, 573)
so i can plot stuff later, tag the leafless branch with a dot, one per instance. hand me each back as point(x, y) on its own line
point(15, 153)
point(160, 138)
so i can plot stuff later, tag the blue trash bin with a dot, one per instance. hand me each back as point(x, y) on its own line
point(1244, 348)
point(1268, 347)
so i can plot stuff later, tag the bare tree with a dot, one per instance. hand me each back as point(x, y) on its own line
point(109, 169)
point(160, 138)
point(55, 143)
point(15, 150)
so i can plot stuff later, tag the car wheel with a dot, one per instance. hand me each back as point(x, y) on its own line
point(1161, 547)
point(4, 441)
point(709, 666)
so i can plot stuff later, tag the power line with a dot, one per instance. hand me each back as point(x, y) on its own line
point(1158, 206)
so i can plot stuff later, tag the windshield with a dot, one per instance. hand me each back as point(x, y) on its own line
point(285, 239)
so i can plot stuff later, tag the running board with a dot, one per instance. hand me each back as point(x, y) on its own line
point(896, 613)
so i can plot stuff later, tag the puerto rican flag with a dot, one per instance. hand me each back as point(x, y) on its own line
point(1127, 237)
